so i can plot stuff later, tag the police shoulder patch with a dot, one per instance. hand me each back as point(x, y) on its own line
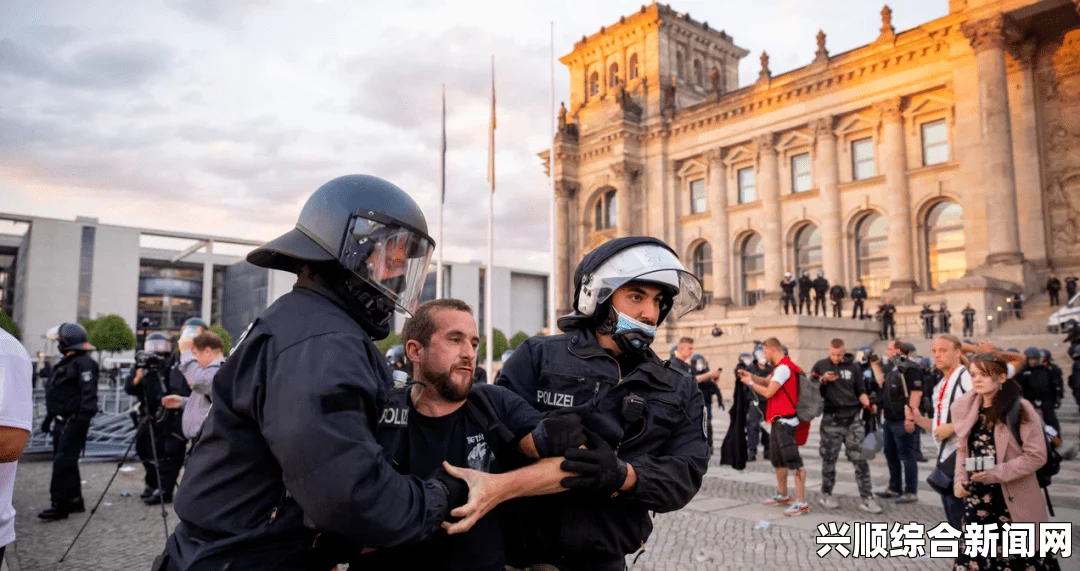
point(87, 376)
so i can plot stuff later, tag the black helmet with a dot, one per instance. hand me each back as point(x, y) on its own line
point(156, 343)
point(395, 355)
point(372, 228)
point(70, 337)
point(698, 363)
point(196, 322)
point(1033, 353)
point(1074, 351)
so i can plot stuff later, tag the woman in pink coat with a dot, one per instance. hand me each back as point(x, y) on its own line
point(1008, 492)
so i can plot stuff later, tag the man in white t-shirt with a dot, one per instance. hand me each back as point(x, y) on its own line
point(948, 354)
point(16, 415)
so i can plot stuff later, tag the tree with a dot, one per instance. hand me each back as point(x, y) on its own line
point(498, 339)
point(385, 344)
point(8, 324)
point(109, 334)
point(226, 339)
point(518, 339)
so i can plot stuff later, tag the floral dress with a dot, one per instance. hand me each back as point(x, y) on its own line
point(986, 505)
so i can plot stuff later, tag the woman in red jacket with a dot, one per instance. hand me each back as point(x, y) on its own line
point(1009, 491)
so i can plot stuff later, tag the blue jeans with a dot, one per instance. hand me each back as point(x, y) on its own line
point(900, 449)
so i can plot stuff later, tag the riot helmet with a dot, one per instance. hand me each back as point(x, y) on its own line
point(926, 306)
point(821, 273)
point(192, 327)
point(1046, 356)
point(1074, 352)
point(787, 275)
point(806, 273)
point(70, 337)
point(862, 356)
point(759, 356)
point(698, 364)
point(157, 343)
point(370, 228)
point(943, 306)
point(619, 262)
point(746, 359)
point(395, 355)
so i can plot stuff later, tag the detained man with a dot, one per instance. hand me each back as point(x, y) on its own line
point(442, 420)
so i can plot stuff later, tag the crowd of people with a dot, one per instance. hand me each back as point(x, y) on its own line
point(796, 296)
point(306, 448)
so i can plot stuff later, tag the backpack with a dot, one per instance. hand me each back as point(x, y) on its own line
point(810, 405)
point(895, 377)
point(1053, 459)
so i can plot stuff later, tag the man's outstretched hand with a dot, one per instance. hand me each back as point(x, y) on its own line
point(489, 490)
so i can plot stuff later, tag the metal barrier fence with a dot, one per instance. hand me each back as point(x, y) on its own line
point(111, 430)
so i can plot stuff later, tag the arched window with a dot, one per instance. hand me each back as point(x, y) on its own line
point(808, 250)
point(632, 69)
point(605, 214)
point(872, 253)
point(613, 75)
point(945, 258)
point(753, 269)
point(702, 264)
point(699, 79)
point(679, 65)
point(594, 84)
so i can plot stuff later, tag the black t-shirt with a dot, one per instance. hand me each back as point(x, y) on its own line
point(844, 392)
point(455, 439)
point(893, 392)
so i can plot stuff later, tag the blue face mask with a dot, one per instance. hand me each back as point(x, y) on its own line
point(631, 334)
point(626, 323)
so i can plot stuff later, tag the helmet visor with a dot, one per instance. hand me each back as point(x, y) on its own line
point(392, 259)
point(156, 346)
point(653, 264)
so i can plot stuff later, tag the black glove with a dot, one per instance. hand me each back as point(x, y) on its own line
point(557, 434)
point(600, 469)
point(46, 424)
point(457, 491)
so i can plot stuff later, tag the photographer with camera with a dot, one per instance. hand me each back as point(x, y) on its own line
point(162, 439)
point(200, 359)
point(70, 403)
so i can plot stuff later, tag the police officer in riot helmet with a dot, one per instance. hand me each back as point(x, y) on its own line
point(787, 288)
point(151, 380)
point(70, 403)
point(395, 358)
point(821, 289)
point(647, 448)
point(1037, 382)
point(287, 473)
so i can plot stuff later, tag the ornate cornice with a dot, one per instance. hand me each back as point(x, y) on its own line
point(565, 189)
point(625, 170)
point(714, 156)
point(988, 34)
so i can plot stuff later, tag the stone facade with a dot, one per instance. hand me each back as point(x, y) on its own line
point(938, 164)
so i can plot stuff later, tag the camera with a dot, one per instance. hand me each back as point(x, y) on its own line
point(979, 463)
point(145, 360)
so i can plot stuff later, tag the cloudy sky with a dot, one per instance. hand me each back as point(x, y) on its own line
point(221, 116)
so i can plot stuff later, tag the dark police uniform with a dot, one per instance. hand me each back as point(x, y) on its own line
point(945, 320)
point(969, 321)
point(888, 321)
point(755, 413)
point(927, 316)
point(287, 467)
point(821, 289)
point(805, 285)
point(482, 435)
point(858, 298)
point(665, 443)
point(1038, 385)
point(167, 442)
point(708, 390)
point(70, 401)
point(837, 293)
point(787, 286)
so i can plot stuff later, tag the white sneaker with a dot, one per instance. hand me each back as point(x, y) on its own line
point(797, 508)
point(829, 502)
point(868, 505)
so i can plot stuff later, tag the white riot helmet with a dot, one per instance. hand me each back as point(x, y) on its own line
point(787, 275)
point(619, 262)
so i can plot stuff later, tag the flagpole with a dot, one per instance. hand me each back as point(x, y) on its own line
point(442, 200)
point(488, 325)
point(552, 240)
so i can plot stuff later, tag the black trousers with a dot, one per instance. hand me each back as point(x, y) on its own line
point(820, 302)
point(888, 329)
point(1054, 298)
point(969, 329)
point(928, 328)
point(789, 300)
point(804, 302)
point(838, 308)
point(69, 438)
point(858, 309)
point(1049, 414)
point(170, 448)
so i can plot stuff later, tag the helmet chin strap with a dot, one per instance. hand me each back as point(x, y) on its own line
point(633, 340)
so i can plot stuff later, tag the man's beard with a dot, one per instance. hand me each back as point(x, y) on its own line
point(444, 385)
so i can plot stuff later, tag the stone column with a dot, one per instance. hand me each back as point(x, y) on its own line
point(721, 244)
point(1029, 198)
point(564, 191)
point(828, 175)
point(894, 160)
point(768, 184)
point(626, 174)
point(998, 176)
